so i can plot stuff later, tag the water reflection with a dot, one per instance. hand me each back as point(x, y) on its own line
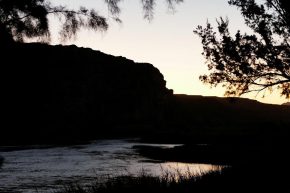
point(189, 169)
point(47, 168)
point(173, 168)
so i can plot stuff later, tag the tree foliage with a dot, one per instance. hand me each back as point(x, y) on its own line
point(24, 19)
point(250, 62)
point(29, 19)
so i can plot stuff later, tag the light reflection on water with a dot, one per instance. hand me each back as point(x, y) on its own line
point(45, 169)
point(189, 169)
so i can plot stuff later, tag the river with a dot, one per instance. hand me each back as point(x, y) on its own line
point(46, 169)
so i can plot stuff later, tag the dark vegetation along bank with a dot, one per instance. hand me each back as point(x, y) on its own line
point(228, 181)
point(56, 94)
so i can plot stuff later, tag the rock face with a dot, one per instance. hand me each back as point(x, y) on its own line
point(66, 90)
point(65, 93)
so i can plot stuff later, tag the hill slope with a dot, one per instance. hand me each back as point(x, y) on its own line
point(63, 93)
point(190, 118)
point(56, 91)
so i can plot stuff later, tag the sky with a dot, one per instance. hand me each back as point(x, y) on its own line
point(167, 42)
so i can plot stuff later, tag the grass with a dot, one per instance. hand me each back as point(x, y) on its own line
point(144, 182)
point(227, 180)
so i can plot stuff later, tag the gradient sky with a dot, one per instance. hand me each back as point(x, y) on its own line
point(167, 42)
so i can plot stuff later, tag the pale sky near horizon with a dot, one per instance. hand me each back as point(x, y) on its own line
point(167, 41)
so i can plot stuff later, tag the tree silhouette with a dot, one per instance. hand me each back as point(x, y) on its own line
point(24, 19)
point(246, 63)
point(29, 19)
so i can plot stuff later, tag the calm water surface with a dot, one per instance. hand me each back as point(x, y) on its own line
point(47, 169)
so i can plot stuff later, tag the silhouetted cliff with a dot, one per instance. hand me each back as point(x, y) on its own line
point(56, 91)
point(63, 93)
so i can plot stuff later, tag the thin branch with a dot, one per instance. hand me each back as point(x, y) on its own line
point(271, 84)
point(49, 12)
point(279, 10)
point(255, 90)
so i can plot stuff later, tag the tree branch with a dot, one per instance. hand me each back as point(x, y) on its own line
point(271, 84)
point(49, 12)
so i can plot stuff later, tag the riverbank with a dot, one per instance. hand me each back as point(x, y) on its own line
point(47, 169)
point(228, 181)
point(259, 169)
point(255, 177)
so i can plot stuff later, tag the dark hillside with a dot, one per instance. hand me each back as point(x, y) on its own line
point(65, 93)
point(196, 118)
point(69, 92)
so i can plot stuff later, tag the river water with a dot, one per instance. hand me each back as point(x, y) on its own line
point(47, 169)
